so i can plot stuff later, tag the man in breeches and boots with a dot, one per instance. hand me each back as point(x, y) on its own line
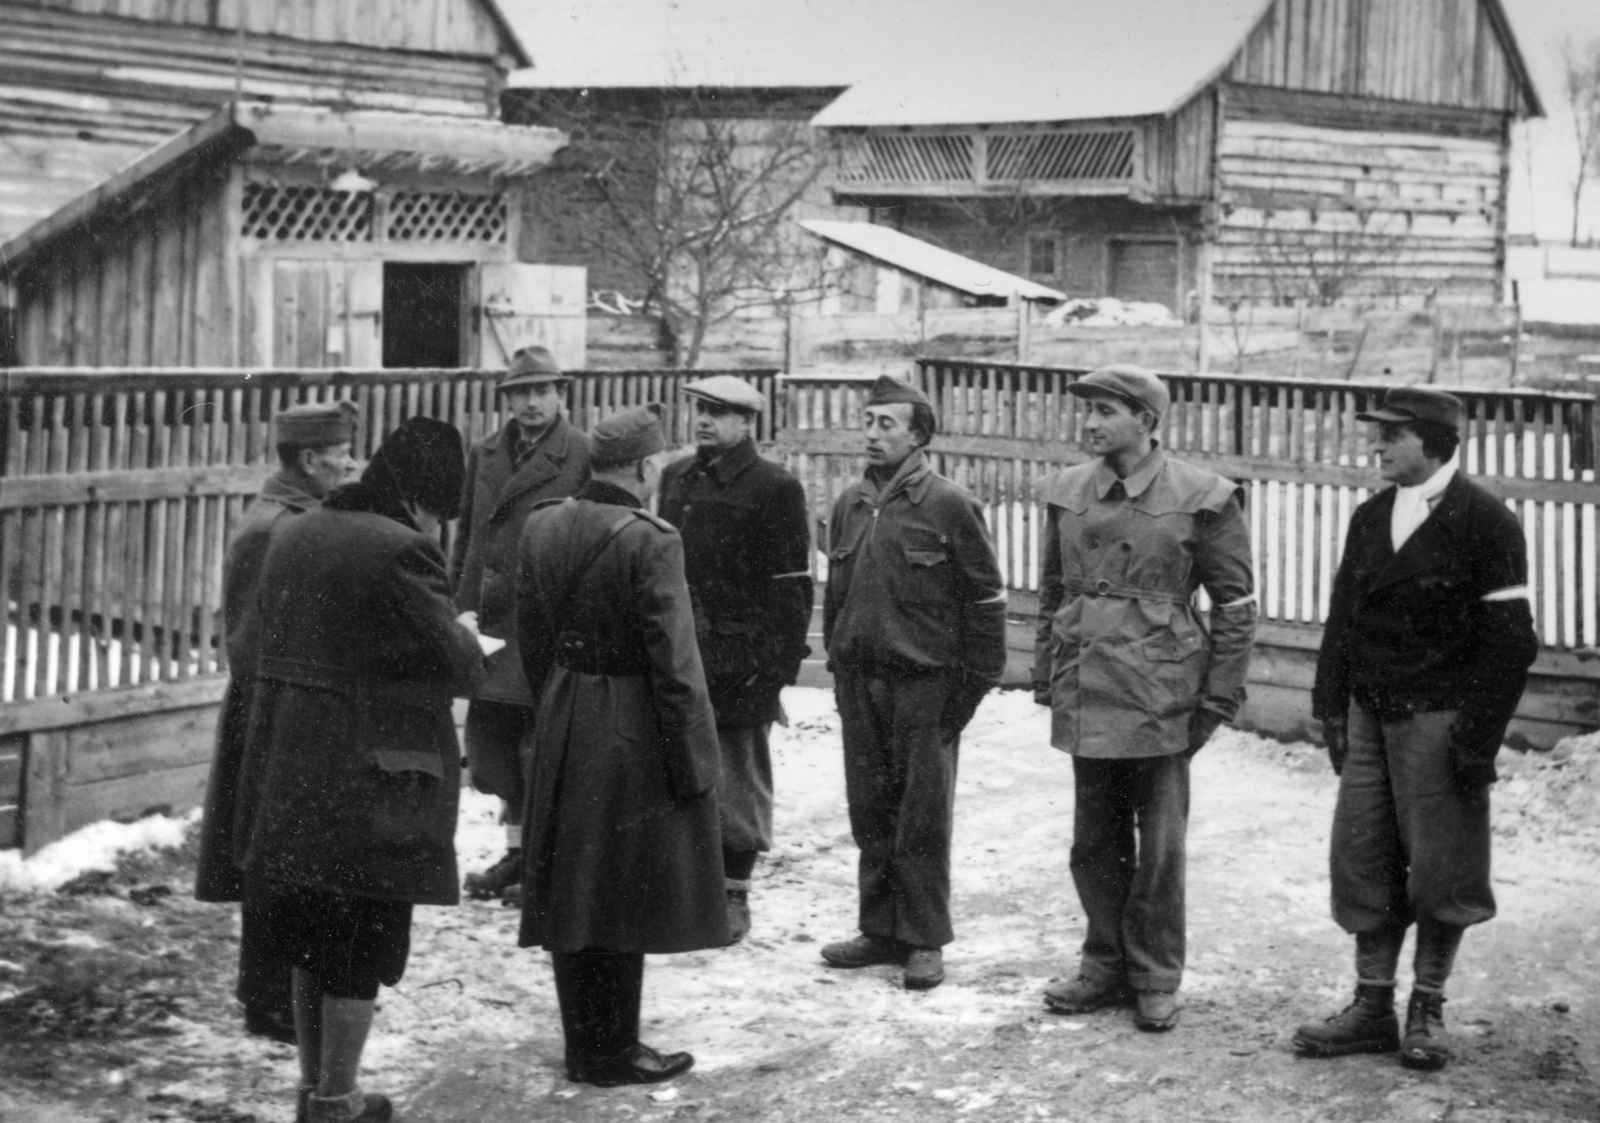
point(746, 548)
point(622, 853)
point(1135, 682)
point(313, 446)
point(537, 455)
point(1424, 658)
point(914, 621)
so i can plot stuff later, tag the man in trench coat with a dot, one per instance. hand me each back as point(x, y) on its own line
point(537, 455)
point(622, 855)
point(313, 445)
point(747, 553)
point(1136, 684)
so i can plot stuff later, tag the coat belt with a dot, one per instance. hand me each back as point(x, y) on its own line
point(343, 680)
point(1127, 592)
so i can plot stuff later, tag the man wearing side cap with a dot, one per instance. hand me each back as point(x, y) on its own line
point(746, 550)
point(1135, 682)
point(536, 456)
point(313, 446)
point(914, 622)
point(1424, 657)
point(622, 853)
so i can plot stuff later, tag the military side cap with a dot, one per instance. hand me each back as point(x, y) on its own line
point(531, 366)
point(1417, 403)
point(888, 391)
point(632, 434)
point(1137, 386)
point(727, 390)
point(315, 424)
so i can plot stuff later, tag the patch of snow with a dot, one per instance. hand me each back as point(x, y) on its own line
point(97, 846)
point(1108, 311)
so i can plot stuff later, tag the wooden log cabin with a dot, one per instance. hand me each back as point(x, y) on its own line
point(297, 236)
point(1223, 151)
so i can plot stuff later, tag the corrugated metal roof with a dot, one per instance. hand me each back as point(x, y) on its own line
point(925, 259)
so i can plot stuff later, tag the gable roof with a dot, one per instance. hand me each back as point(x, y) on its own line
point(924, 259)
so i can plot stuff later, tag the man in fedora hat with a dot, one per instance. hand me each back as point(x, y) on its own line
point(313, 444)
point(1135, 682)
point(537, 455)
point(1424, 657)
point(914, 621)
point(746, 548)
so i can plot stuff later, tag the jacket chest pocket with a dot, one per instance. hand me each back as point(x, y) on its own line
point(927, 576)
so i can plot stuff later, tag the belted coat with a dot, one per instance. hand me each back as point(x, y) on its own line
point(352, 771)
point(495, 501)
point(217, 878)
point(621, 845)
point(1120, 644)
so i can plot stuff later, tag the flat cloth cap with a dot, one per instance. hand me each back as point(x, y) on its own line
point(888, 391)
point(1416, 403)
point(727, 390)
point(315, 424)
point(531, 366)
point(1135, 385)
point(632, 434)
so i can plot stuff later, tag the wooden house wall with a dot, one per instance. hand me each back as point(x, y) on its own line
point(1441, 52)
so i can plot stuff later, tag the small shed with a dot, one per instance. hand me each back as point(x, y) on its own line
point(299, 236)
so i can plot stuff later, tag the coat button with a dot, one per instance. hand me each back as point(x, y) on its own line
point(1092, 542)
point(1102, 587)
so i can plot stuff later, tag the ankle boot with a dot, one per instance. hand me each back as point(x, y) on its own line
point(352, 1107)
point(1367, 1025)
point(1426, 1045)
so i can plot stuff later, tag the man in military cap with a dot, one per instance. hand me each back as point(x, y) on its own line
point(1135, 682)
point(1424, 657)
point(313, 445)
point(914, 624)
point(537, 455)
point(622, 854)
point(747, 552)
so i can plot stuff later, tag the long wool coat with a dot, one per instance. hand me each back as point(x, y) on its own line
point(352, 773)
point(495, 502)
point(217, 878)
point(621, 846)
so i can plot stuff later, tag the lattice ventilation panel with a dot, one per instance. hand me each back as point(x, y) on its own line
point(278, 213)
point(445, 216)
point(1105, 154)
point(921, 158)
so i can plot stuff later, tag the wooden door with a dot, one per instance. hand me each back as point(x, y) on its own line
point(306, 314)
point(522, 304)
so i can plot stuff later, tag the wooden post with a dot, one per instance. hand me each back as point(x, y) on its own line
point(791, 342)
point(1516, 334)
point(44, 791)
point(1022, 330)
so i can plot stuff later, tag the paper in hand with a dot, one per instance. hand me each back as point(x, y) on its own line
point(489, 644)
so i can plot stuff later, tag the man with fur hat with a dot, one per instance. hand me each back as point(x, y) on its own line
point(1135, 682)
point(536, 455)
point(313, 444)
point(622, 857)
point(914, 621)
point(746, 548)
point(1424, 657)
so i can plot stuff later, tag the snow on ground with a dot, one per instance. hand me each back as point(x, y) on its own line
point(1108, 311)
point(97, 846)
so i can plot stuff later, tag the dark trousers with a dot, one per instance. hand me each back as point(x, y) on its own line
point(744, 792)
point(1408, 844)
point(599, 993)
point(900, 781)
point(1128, 852)
point(495, 757)
point(264, 971)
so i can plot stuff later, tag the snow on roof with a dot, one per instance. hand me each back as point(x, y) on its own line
point(924, 259)
point(1075, 60)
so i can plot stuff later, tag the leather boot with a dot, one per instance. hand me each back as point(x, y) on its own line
point(494, 881)
point(1367, 1025)
point(1426, 1045)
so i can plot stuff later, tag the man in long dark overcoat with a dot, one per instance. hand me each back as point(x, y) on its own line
point(536, 455)
point(313, 446)
point(622, 856)
point(1424, 658)
point(746, 548)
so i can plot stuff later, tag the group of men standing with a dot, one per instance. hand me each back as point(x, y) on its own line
point(624, 716)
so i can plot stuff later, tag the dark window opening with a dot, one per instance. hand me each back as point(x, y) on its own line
point(422, 314)
point(1044, 256)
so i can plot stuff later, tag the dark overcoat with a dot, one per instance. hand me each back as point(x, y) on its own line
point(621, 845)
point(747, 547)
point(352, 772)
point(217, 878)
point(495, 501)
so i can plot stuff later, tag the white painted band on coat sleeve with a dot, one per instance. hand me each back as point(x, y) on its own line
point(800, 573)
point(1514, 592)
point(998, 599)
point(1240, 603)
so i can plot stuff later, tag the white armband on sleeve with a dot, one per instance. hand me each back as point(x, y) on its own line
point(781, 576)
point(998, 598)
point(1241, 602)
point(1513, 592)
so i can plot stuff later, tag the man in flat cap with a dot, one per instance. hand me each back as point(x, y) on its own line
point(1424, 657)
point(746, 548)
point(1135, 682)
point(313, 444)
point(914, 624)
point(622, 853)
point(536, 456)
